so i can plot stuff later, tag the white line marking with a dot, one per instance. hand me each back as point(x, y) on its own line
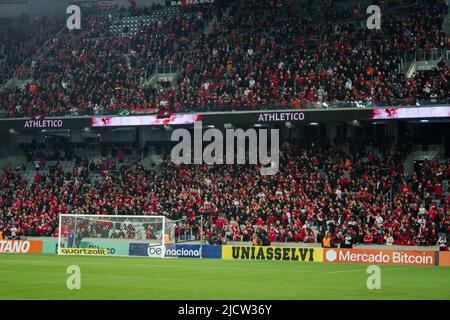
point(363, 270)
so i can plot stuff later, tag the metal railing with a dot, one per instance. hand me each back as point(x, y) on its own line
point(410, 57)
point(166, 68)
point(159, 69)
point(389, 197)
point(424, 55)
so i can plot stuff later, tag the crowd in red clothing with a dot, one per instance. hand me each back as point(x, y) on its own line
point(257, 56)
point(335, 190)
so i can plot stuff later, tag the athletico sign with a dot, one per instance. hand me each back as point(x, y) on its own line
point(46, 124)
point(272, 253)
point(20, 246)
point(400, 257)
point(281, 116)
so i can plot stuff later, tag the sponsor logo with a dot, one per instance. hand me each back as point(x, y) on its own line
point(121, 249)
point(108, 250)
point(402, 257)
point(180, 251)
point(272, 253)
point(184, 252)
point(155, 251)
point(146, 250)
point(20, 246)
point(84, 251)
point(331, 255)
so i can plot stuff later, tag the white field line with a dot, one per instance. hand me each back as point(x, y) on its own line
point(359, 270)
point(211, 268)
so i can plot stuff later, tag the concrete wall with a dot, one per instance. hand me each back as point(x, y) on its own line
point(141, 3)
point(153, 134)
point(34, 8)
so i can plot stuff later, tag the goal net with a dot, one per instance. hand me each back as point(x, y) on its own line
point(149, 236)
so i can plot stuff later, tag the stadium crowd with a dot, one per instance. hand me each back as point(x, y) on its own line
point(320, 190)
point(247, 55)
point(232, 55)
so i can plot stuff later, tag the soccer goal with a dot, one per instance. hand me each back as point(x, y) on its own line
point(149, 236)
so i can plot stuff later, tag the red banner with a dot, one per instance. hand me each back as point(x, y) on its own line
point(444, 258)
point(102, 5)
point(20, 246)
point(145, 110)
point(187, 2)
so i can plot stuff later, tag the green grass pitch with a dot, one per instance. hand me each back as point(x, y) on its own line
point(44, 277)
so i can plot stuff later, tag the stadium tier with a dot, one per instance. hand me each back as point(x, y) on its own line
point(226, 55)
point(320, 189)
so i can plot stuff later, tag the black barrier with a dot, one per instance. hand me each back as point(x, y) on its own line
point(46, 123)
point(247, 117)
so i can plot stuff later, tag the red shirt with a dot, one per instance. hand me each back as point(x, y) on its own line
point(37, 177)
point(368, 238)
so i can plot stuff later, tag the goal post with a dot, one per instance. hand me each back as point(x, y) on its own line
point(115, 235)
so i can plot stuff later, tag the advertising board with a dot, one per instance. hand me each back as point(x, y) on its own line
point(113, 248)
point(381, 256)
point(272, 253)
point(178, 251)
point(20, 246)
